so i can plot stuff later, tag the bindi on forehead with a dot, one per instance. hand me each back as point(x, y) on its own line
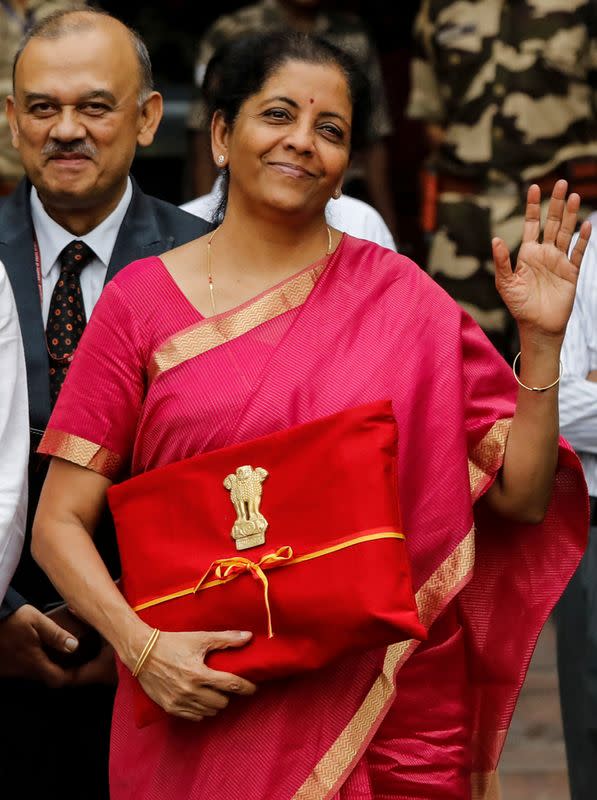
point(311, 100)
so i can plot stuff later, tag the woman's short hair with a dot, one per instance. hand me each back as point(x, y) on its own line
point(240, 68)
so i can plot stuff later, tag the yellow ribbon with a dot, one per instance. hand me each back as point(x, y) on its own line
point(283, 558)
point(234, 566)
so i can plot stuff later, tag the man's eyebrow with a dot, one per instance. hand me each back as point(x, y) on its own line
point(96, 94)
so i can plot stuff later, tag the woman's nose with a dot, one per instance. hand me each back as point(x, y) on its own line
point(300, 138)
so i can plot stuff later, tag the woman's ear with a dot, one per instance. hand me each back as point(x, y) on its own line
point(219, 140)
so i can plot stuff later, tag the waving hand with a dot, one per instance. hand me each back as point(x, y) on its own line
point(539, 293)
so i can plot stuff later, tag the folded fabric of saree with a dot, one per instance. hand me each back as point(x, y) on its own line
point(295, 536)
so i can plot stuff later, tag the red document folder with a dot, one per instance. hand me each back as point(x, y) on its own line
point(332, 574)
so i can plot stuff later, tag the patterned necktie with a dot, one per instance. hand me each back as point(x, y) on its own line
point(66, 319)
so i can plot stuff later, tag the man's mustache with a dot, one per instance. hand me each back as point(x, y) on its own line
point(78, 147)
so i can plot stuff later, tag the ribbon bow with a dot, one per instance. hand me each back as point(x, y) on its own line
point(234, 566)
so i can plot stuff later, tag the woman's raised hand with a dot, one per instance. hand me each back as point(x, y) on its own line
point(177, 679)
point(539, 293)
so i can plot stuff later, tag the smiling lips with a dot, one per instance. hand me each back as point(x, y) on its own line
point(292, 170)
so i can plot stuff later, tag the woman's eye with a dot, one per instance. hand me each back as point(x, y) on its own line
point(332, 130)
point(277, 114)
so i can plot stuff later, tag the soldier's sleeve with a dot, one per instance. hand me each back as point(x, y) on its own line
point(425, 101)
point(380, 124)
point(592, 74)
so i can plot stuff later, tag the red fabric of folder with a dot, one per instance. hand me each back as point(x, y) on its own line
point(330, 495)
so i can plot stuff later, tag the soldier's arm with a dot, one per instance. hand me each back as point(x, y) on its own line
point(425, 101)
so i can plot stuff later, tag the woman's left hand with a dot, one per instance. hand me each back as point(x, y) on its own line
point(539, 293)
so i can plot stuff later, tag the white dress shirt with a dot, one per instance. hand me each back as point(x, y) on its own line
point(345, 214)
point(578, 396)
point(52, 238)
point(14, 436)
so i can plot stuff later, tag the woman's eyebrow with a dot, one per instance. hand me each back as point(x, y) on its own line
point(282, 99)
point(333, 114)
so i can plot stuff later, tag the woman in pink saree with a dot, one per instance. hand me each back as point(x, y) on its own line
point(278, 320)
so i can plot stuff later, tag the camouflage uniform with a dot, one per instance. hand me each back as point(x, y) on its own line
point(12, 27)
point(343, 30)
point(509, 81)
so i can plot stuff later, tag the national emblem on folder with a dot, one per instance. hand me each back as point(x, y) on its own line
point(245, 493)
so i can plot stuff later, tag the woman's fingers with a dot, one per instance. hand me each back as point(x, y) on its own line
point(211, 699)
point(501, 260)
point(226, 682)
point(581, 244)
point(532, 217)
point(568, 226)
point(555, 212)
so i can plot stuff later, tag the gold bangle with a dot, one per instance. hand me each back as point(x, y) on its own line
point(534, 388)
point(146, 651)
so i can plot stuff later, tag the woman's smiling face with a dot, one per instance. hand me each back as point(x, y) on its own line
point(290, 143)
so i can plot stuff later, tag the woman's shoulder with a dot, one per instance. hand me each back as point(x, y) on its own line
point(139, 274)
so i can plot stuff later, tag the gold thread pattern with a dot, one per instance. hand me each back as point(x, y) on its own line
point(487, 455)
point(80, 451)
point(216, 331)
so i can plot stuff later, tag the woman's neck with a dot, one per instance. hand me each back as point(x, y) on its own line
point(272, 248)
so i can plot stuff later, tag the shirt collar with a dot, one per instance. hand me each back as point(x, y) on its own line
point(52, 238)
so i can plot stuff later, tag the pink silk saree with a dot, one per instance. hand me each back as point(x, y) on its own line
point(154, 382)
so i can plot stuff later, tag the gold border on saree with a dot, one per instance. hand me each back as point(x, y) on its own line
point(216, 331)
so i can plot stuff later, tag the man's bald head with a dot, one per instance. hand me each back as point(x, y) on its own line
point(74, 21)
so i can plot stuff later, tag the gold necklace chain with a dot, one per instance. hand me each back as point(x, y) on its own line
point(210, 280)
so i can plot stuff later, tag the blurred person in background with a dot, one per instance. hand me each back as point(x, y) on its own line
point(576, 613)
point(14, 436)
point(506, 90)
point(369, 171)
point(16, 18)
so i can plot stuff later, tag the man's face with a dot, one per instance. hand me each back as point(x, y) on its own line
point(75, 116)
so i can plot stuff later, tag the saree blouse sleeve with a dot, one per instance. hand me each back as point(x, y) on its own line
point(94, 421)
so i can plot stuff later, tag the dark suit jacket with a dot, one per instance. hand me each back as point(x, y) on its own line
point(150, 227)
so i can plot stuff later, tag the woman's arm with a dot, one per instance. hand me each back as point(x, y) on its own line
point(174, 675)
point(539, 294)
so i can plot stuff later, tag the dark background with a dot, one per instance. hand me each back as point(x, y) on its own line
point(172, 31)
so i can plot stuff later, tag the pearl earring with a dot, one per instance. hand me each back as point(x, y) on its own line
point(221, 159)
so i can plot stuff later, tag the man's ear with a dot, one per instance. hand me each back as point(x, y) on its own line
point(149, 118)
point(220, 132)
point(11, 115)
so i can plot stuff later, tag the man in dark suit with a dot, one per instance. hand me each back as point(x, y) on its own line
point(82, 101)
